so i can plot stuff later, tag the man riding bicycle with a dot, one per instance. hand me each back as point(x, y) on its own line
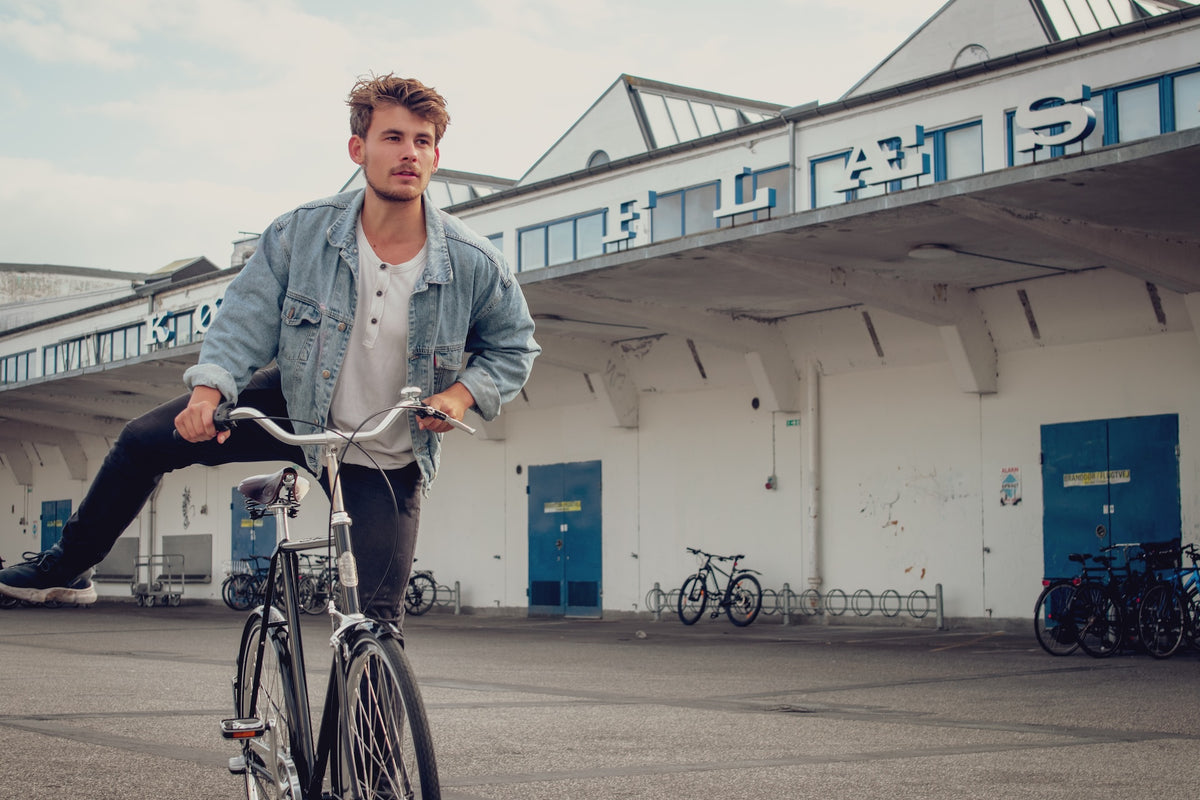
point(345, 301)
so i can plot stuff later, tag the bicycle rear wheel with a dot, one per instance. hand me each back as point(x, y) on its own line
point(745, 600)
point(1100, 620)
point(1161, 621)
point(271, 770)
point(391, 749)
point(420, 595)
point(1054, 621)
point(693, 597)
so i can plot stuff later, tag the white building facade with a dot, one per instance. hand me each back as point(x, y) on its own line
point(940, 332)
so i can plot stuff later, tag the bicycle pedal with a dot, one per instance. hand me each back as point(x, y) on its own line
point(245, 728)
point(237, 765)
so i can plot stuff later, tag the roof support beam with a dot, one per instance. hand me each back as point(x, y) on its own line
point(18, 461)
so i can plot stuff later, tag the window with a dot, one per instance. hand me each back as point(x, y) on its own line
point(1186, 89)
point(677, 119)
point(825, 173)
point(1138, 113)
point(119, 344)
point(16, 368)
point(561, 241)
point(64, 356)
point(958, 152)
point(597, 159)
point(684, 211)
point(774, 178)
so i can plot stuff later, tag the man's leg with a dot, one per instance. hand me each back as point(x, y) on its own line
point(146, 449)
point(384, 534)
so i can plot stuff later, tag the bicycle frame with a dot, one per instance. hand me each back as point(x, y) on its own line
point(313, 757)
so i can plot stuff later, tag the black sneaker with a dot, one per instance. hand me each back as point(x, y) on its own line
point(41, 579)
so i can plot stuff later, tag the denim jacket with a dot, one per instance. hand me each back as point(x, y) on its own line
point(294, 303)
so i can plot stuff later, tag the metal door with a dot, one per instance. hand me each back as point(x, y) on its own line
point(55, 514)
point(1108, 482)
point(565, 534)
point(250, 537)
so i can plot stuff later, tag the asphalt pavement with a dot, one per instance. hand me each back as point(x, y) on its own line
point(117, 701)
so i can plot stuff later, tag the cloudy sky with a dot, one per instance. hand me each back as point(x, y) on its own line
point(137, 132)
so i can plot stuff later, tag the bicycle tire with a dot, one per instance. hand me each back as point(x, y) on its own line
point(420, 594)
point(693, 597)
point(1161, 621)
point(1191, 610)
point(238, 592)
point(1054, 625)
point(391, 749)
point(312, 596)
point(745, 599)
point(1100, 619)
point(271, 769)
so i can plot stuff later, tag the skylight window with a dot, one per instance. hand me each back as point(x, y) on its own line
point(678, 119)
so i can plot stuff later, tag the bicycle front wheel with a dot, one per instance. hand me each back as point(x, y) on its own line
point(745, 600)
point(270, 760)
point(420, 595)
point(693, 597)
point(1160, 621)
point(391, 749)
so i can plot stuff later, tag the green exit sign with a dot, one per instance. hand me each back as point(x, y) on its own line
point(791, 423)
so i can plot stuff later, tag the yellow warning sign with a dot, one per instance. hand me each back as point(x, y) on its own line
point(562, 506)
point(1096, 478)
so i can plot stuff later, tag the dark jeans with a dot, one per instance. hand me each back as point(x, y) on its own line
point(146, 449)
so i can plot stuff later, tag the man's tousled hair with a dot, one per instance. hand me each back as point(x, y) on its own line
point(369, 93)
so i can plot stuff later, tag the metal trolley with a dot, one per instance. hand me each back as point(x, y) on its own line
point(164, 580)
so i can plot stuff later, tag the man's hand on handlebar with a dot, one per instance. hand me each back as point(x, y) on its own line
point(195, 423)
point(453, 402)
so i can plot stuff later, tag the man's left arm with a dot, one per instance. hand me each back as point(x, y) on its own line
point(502, 348)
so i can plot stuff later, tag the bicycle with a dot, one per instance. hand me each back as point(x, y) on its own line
point(741, 599)
point(373, 740)
point(421, 592)
point(1165, 617)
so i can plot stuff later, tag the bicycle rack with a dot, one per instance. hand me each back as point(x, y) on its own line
point(833, 603)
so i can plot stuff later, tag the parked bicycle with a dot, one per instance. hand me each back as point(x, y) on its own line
point(1099, 610)
point(740, 599)
point(421, 592)
point(373, 739)
point(1166, 617)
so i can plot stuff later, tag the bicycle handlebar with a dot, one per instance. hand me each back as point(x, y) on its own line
point(227, 415)
point(698, 552)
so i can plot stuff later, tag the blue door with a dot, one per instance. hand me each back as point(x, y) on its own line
point(250, 537)
point(55, 514)
point(1108, 482)
point(564, 540)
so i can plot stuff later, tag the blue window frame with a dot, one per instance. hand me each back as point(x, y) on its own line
point(560, 241)
point(17, 367)
point(955, 151)
point(119, 343)
point(1128, 112)
point(65, 356)
point(684, 211)
point(771, 178)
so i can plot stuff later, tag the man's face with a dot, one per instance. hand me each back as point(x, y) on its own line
point(398, 155)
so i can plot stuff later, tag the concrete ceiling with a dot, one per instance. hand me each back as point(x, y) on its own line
point(1131, 208)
